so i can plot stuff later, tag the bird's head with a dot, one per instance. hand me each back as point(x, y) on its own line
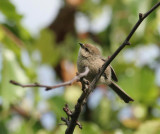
point(88, 50)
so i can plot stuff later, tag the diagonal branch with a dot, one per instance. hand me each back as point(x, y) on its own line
point(84, 95)
point(12, 36)
point(75, 79)
point(126, 42)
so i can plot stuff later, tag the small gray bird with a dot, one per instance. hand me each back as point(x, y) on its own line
point(90, 56)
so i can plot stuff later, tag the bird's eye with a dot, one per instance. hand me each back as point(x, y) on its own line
point(87, 49)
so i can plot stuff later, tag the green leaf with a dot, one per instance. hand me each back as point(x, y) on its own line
point(68, 49)
point(57, 103)
point(45, 44)
point(102, 113)
point(72, 93)
point(3, 129)
point(90, 128)
point(8, 9)
point(11, 71)
point(140, 85)
point(149, 127)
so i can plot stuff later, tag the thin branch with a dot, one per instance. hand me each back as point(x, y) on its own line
point(126, 42)
point(20, 111)
point(84, 95)
point(75, 79)
point(12, 36)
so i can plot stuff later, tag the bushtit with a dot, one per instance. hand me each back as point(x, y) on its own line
point(90, 56)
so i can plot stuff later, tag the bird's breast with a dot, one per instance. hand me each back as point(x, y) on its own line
point(92, 63)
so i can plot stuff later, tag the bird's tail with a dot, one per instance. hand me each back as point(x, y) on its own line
point(121, 93)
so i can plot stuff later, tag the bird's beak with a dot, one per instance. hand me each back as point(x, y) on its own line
point(81, 45)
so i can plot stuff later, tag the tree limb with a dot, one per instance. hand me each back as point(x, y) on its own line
point(75, 79)
point(78, 107)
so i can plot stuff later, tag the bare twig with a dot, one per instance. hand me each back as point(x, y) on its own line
point(126, 42)
point(69, 118)
point(78, 107)
point(75, 79)
point(12, 36)
point(20, 111)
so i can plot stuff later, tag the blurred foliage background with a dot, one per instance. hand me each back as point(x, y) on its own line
point(39, 43)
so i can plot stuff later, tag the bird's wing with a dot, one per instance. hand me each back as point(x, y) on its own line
point(113, 74)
